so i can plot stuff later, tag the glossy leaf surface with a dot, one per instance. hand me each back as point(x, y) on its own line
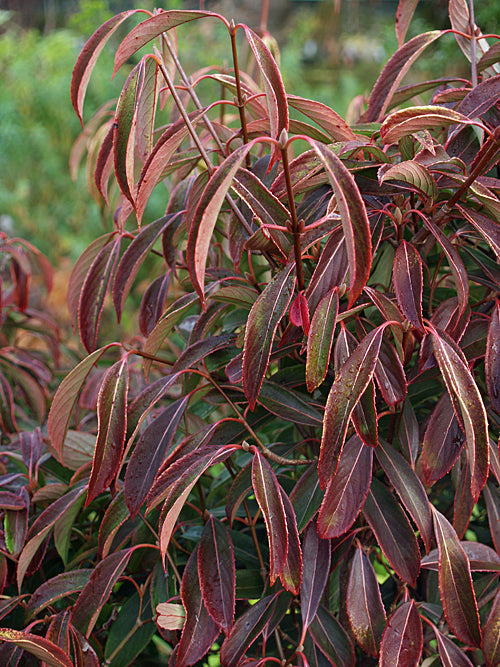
point(403, 637)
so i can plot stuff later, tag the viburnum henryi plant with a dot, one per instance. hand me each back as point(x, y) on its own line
point(292, 458)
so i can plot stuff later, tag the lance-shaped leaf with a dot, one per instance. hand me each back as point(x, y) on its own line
point(455, 583)
point(466, 395)
point(112, 427)
point(451, 655)
point(317, 557)
point(288, 405)
point(350, 383)
point(268, 495)
point(405, 11)
point(491, 634)
point(460, 19)
point(358, 240)
point(443, 441)
point(200, 630)
point(291, 574)
point(246, 630)
point(408, 283)
point(390, 375)
point(217, 574)
point(492, 358)
point(489, 229)
point(153, 303)
point(88, 57)
point(331, 638)
point(492, 498)
point(330, 271)
point(403, 638)
point(415, 175)
point(96, 593)
point(409, 488)
point(407, 121)
point(42, 648)
point(57, 588)
point(145, 109)
point(94, 291)
point(149, 453)
point(115, 516)
point(393, 531)
point(262, 323)
point(124, 135)
point(394, 71)
point(364, 604)
point(481, 558)
point(347, 489)
point(320, 339)
point(306, 496)
point(324, 116)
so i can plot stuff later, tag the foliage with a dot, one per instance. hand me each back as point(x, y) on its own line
point(294, 458)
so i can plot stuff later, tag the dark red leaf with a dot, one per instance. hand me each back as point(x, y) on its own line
point(405, 11)
point(364, 604)
point(443, 441)
point(56, 588)
point(492, 358)
point(316, 556)
point(288, 404)
point(482, 558)
point(153, 303)
point(217, 574)
point(455, 583)
point(291, 574)
point(402, 123)
point(306, 496)
point(40, 647)
point(331, 638)
point(460, 19)
point(492, 499)
point(324, 116)
point(408, 283)
point(320, 339)
point(346, 490)
point(390, 375)
point(403, 638)
point(330, 270)
point(299, 312)
point(451, 655)
point(491, 634)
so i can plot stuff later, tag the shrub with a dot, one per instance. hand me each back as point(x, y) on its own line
point(294, 458)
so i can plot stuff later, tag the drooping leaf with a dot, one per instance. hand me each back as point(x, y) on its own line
point(267, 493)
point(217, 574)
point(40, 647)
point(460, 19)
point(403, 639)
point(57, 588)
point(146, 106)
point(390, 375)
point(124, 131)
point(464, 391)
point(364, 604)
point(331, 638)
point(347, 489)
point(316, 557)
point(492, 358)
point(491, 634)
point(262, 323)
point(291, 574)
point(443, 441)
point(455, 583)
point(408, 283)
point(153, 303)
point(320, 339)
point(404, 13)
point(451, 655)
point(393, 531)
point(407, 121)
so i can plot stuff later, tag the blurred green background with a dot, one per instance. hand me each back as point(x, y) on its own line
point(327, 55)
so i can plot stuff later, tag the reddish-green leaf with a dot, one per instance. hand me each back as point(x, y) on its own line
point(217, 574)
point(330, 270)
point(409, 488)
point(324, 116)
point(390, 375)
point(153, 303)
point(491, 634)
point(354, 219)
point(482, 558)
point(346, 490)
point(291, 574)
point(407, 121)
point(267, 493)
point(320, 339)
point(415, 175)
point(443, 441)
point(146, 106)
point(460, 19)
point(124, 135)
point(40, 647)
point(288, 404)
point(149, 453)
point(463, 389)
point(115, 516)
point(200, 630)
point(306, 496)
point(262, 323)
point(246, 630)
point(455, 583)
point(405, 11)
point(364, 604)
point(350, 383)
point(316, 555)
point(56, 588)
point(408, 283)
point(492, 499)
point(451, 655)
point(112, 427)
point(403, 638)
point(394, 71)
point(393, 531)
point(492, 358)
point(331, 638)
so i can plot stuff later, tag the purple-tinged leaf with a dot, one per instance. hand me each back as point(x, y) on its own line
point(124, 135)
point(196, 352)
point(487, 228)
point(94, 291)
point(15, 525)
point(443, 441)
point(393, 531)
point(324, 116)
point(464, 391)
point(451, 655)
point(84, 654)
point(260, 200)
point(408, 121)
point(481, 98)
point(146, 106)
point(299, 313)
point(240, 488)
point(408, 283)
point(115, 516)
point(390, 375)
point(200, 631)
point(491, 634)
point(316, 556)
point(404, 13)
point(409, 488)
point(492, 358)
point(492, 498)
point(490, 57)
point(331, 638)
point(88, 57)
point(262, 323)
point(40, 647)
point(63, 528)
point(291, 574)
point(306, 496)
point(11, 501)
point(112, 427)
point(149, 453)
point(350, 383)
point(153, 27)
point(96, 593)
point(408, 433)
point(394, 71)
point(7, 416)
point(268, 495)
point(57, 588)
point(347, 489)
point(463, 502)
point(217, 574)
point(355, 223)
point(403, 638)
point(153, 303)
point(288, 405)
point(246, 630)
point(482, 558)
point(455, 584)
point(330, 271)
point(415, 175)
point(320, 339)
point(460, 19)
point(364, 604)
